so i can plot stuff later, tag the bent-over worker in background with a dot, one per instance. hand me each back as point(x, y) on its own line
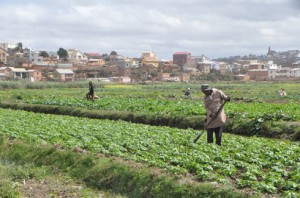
point(282, 93)
point(90, 95)
point(187, 92)
point(213, 100)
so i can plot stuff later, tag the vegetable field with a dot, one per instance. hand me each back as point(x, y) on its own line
point(251, 101)
point(265, 165)
point(256, 164)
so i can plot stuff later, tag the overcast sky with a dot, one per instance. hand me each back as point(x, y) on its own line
point(215, 28)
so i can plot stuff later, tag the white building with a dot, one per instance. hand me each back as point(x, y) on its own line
point(272, 66)
point(64, 75)
point(8, 46)
point(18, 73)
point(75, 56)
point(33, 56)
point(295, 73)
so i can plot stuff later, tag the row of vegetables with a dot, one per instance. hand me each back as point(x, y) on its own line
point(168, 99)
point(277, 112)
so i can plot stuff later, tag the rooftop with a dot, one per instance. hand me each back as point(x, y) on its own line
point(64, 71)
point(181, 53)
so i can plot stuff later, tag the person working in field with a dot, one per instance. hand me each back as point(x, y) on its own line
point(90, 95)
point(187, 92)
point(282, 93)
point(213, 101)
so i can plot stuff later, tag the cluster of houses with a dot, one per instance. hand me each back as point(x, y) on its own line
point(17, 63)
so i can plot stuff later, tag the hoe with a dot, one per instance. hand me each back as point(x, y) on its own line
point(219, 110)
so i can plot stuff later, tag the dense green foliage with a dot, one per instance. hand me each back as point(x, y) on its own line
point(255, 109)
point(252, 101)
point(113, 177)
point(263, 126)
point(265, 165)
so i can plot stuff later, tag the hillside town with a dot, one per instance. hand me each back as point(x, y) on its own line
point(18, 63)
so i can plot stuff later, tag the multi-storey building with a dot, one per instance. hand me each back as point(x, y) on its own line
point(8, 47)
point(3, 56)
point(5, 50)
point(149, 58)
point(75, 56)
point(182, 58)
point(33, 56)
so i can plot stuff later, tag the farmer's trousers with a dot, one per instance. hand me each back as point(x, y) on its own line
point(218, 133)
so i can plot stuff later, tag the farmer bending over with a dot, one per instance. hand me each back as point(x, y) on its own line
point(90, 95)
point(213, 101)
point(282, 93)
point(187, 92)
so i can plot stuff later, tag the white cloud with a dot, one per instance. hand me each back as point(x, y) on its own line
point(268, 32)
point(164, 19)
point(214, 28)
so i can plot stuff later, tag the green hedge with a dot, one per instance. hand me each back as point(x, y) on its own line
point(179, 121)
point(263, 128)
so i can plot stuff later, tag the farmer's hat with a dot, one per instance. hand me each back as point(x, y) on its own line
point(205, 87)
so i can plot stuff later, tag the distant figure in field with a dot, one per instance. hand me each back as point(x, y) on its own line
point(187, 92)
point(282, 93)
point(90, 95)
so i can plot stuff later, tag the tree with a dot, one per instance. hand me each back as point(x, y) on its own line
point(160, 67)
point(113, 53)
point(62, 53)
point(19, 48)
point(214, 75)
point(106, 57)
point(44, 54)
point(228, 76)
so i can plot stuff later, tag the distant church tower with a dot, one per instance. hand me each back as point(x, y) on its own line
point(269, 51)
